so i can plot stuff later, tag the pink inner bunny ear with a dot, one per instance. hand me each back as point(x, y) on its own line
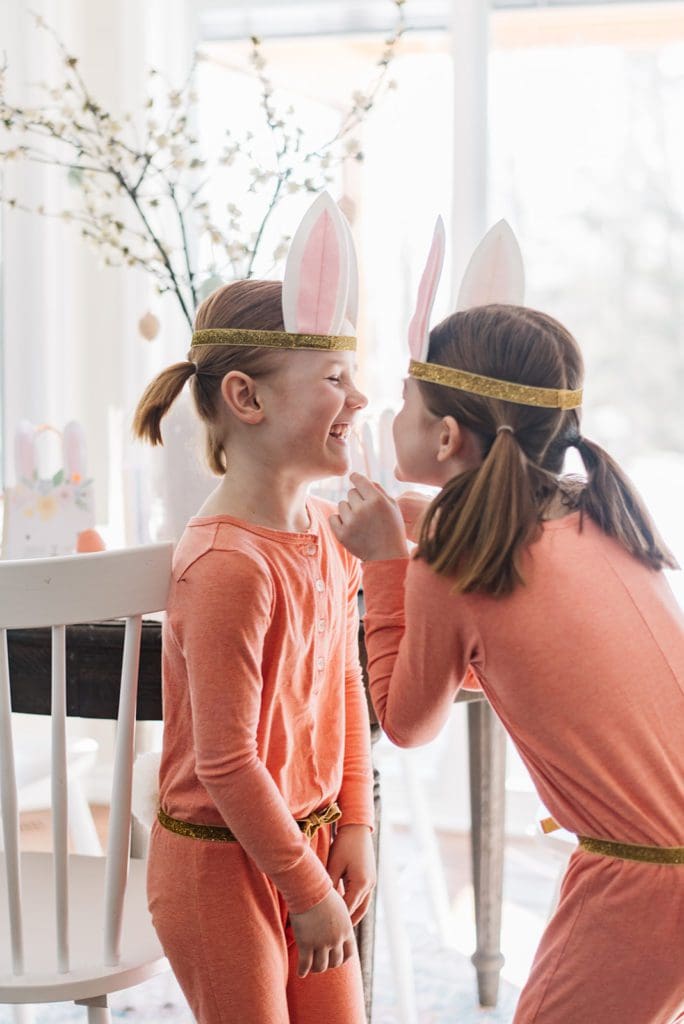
point(419, 334)
point(495, 272)
point(316, 283)
point(74, 449)
point(25, 451)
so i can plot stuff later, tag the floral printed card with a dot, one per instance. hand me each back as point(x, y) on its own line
point(44, 514)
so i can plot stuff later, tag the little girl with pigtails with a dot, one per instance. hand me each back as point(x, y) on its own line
point(549, 593)
point(261, 858)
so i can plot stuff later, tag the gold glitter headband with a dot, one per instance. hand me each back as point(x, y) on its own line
point(273, 339)
point(489, 387)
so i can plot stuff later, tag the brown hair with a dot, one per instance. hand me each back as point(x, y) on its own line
point(478, 526)
point(255, 305)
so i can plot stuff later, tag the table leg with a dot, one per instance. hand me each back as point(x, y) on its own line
point(487, 755)
point(365, 929)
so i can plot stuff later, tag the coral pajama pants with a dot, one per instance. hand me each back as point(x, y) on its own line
point(613, 953)
point(223, 926)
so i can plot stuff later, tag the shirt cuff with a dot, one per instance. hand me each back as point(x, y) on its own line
point(383, 585)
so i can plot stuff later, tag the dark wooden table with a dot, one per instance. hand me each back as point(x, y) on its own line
point(93, 655)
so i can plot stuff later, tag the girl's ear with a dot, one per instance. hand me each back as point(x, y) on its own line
point(239, 392)
point(451, 439)
point(318, 272)
point(74, 450)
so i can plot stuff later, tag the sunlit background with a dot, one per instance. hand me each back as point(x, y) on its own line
point(582, 146)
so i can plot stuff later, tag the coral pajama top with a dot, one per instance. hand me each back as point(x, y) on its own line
point(584, 665)
point(265, 718)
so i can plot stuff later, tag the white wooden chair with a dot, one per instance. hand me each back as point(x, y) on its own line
point(76, 927)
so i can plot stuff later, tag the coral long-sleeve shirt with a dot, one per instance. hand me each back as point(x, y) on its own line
point(584, 664)
point(265, 718)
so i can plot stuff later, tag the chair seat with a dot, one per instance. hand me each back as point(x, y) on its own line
point(141, 954)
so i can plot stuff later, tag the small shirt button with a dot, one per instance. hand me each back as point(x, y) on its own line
point(321, 625)
point(320, 586)
point(311, 549)
point(320, 663)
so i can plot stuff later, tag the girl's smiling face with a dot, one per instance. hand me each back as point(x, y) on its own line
point(311, 404)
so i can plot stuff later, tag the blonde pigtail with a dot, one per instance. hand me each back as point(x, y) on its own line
point(157, 399)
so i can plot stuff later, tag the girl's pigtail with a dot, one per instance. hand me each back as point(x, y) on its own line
point(611, 500)
point(479, 524)
point(157, 399)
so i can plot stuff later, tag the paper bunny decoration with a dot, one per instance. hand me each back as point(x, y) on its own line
point(419, 328)
point(44, 515)
point(320, 289)
point(494, 274)
point(320, 286)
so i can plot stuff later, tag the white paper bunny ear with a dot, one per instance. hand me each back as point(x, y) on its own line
point(495, 272)
point(74, 450)
point(352, 311)
point(316, 285)
point(419, 328)
point(25, 451)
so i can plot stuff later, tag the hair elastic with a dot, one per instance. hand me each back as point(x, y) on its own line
point(505, 426)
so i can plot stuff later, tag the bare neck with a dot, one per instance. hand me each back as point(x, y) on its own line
point(262, 496)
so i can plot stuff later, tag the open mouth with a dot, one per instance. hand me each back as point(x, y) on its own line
point(340, 432)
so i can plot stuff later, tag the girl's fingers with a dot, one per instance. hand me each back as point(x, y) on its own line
point(354, 498)
point(344, 512)
point(305, 962)
point(361, 910)
point(320, 960)
point(336, 957)
point(362, 484)
point(349, 949)
point(335, 523)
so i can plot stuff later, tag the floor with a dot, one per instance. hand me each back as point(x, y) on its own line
point(439, 942)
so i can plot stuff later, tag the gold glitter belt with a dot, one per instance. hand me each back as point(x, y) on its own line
point(629, 851)
point(222, 834)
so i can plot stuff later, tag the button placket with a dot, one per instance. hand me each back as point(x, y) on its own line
point(318, 636)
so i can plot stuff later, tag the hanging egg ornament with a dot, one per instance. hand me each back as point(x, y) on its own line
point(149, 325)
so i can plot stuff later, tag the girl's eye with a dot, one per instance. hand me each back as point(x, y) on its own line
point(336, 379)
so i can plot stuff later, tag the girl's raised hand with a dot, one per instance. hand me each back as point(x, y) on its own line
point(369, 523)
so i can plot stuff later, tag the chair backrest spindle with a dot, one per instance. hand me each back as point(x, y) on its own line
point(10, 812)
point(118, 844)
point(59, 797)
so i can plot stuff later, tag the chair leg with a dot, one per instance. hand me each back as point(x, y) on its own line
point(22, 1013)
point(98, 1010)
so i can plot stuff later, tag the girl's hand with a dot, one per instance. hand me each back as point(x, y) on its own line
point(369, 522)
point(413, 507)
point(324, 935)
point(352, 860)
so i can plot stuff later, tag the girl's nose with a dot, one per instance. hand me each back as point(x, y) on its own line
point(356, 399)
